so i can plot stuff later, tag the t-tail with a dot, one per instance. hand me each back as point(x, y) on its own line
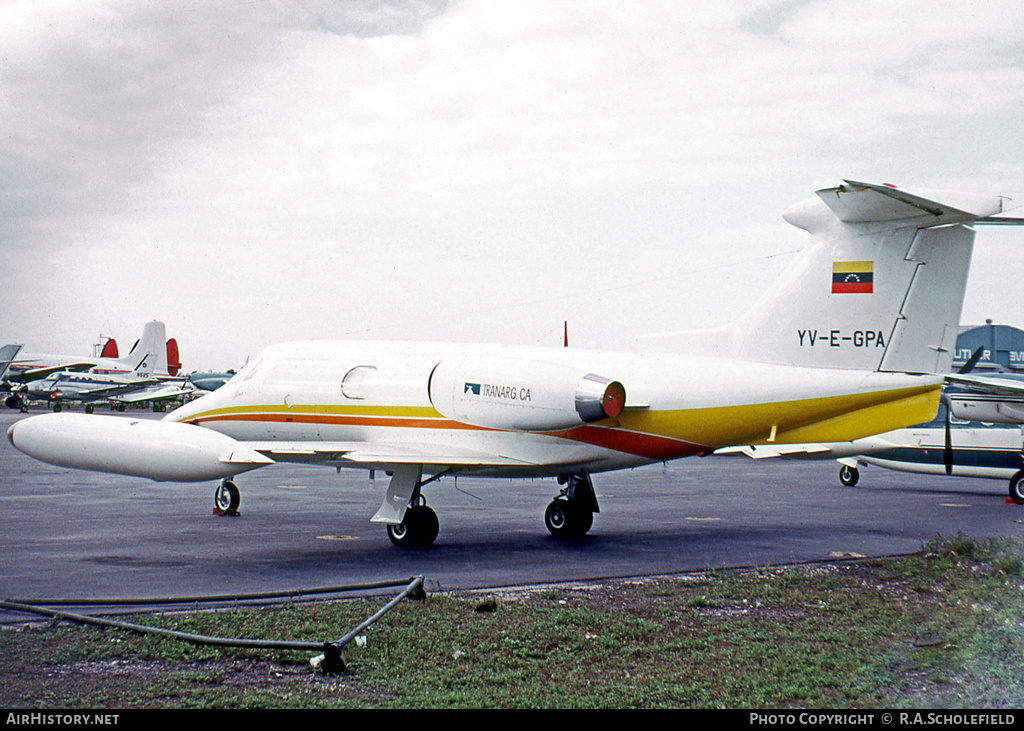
point(879, 288)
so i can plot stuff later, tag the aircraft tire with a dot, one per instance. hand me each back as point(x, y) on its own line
point(565, 520)
point(226, 498)
point(418, 528)
point(1017, 488)
point(849, 475)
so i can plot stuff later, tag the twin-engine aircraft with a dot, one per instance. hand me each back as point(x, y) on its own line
point(843, 346)
point(973, 449)
point(25, 376)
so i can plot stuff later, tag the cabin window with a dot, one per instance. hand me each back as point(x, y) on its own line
point(357, 381)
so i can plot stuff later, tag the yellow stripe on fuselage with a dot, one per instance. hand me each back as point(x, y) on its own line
point(658, 434)
point(826, 419)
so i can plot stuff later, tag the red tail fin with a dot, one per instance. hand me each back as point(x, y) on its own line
point(109, 349)
point(173, 364)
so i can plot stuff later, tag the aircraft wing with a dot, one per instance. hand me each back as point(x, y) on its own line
point(366, 454)
point(112, 391)
point(161, 393)
point(38, 374)
point(989, 385)
point(764, 451)
point(832, 450)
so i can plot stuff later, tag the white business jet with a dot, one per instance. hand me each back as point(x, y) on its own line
point(844, 345)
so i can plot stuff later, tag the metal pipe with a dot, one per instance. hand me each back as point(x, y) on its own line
point(331, 658)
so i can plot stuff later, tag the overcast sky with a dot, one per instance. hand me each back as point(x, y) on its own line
point(255, 172)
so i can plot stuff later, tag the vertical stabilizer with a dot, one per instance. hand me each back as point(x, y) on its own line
point(7, 355)
point(152, 344)
point(110, 349)
point(880, 287)
point(173, 358)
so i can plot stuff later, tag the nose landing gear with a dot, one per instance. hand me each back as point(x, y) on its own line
point(226, 498)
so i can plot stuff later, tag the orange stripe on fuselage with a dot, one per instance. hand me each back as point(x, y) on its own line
point(406, 422)
point(649, 446)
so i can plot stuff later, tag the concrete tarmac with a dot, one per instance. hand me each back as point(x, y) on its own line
point(67, 533)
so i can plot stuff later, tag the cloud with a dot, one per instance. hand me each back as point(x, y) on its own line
point(255, 172)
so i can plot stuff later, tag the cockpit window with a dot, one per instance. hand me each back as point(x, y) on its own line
point(248, 371)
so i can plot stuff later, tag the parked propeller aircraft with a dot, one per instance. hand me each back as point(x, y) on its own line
point(15, 384)
point(977, 433)
point(839, 348)
point(210, 380)
point(25, 368)
point(139, 386)
point(970, 449)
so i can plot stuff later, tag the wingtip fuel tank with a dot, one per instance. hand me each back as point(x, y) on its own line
point(158, 450)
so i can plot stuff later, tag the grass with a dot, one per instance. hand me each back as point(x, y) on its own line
point(939, 629)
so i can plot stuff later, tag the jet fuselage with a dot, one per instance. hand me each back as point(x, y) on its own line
point(460, 401)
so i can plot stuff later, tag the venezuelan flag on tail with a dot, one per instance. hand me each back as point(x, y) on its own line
point(852, 277)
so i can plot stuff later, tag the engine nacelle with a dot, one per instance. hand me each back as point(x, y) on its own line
point(520, 395)
point(986, 410)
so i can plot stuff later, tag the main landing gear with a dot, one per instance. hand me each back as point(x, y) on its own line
point(1017, 487)
point(849, 475)
point(415, 524)
point(571, 514)
point(419, 526)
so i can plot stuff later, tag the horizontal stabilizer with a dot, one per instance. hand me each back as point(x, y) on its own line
point(880, 286)
point(857, 202)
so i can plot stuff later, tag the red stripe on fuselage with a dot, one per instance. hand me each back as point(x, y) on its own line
point(649, 446)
